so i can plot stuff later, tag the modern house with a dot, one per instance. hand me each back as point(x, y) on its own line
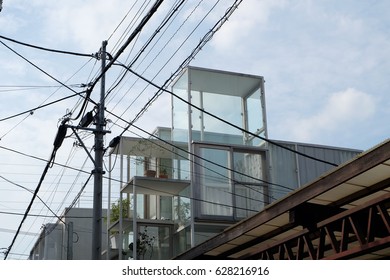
point(213, 168)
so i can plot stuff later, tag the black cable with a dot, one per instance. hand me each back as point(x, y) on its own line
point(165, 21)
point(47, 49)
point(133, 21)
point(57, 143)
point(23, 88)
point(123, 19)
point(31, 191)
point(41, 216)
point(69, 208)
point(37, 67)
point(31, 111)
point(208, 161)
point(159, 52)
point(244, 184)
point(138, 29)
point(41, 159)
point(226, 122)
point(207, 37)
point(154, 45)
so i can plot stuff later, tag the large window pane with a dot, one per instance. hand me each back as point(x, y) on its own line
point(180, 117)
point(229, 109)
point(154, 242)
point(249, 200)
point(216, 190)
point(248, 167)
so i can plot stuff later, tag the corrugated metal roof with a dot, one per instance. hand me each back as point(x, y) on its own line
point(362, 184)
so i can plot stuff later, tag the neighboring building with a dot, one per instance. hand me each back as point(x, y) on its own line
point(69, 238)
point(190, 182)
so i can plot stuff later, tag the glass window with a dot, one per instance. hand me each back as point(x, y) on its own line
point(154, 242)
point(248, 167)
point(180, 116)
point(249, 189)
point(249, 200)
point(215, 187)
point(196, 116)
point(255, 120)
point(166, 208)
point(228, 108)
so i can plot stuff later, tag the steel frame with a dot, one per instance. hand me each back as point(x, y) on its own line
point(350, 234)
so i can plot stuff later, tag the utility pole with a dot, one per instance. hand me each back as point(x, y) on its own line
point(98, 171)
point(69, 252)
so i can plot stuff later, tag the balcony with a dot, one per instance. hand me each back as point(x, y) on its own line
point(153, 209)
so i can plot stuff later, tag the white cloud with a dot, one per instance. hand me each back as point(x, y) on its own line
point(252, 15)
point(342, 112)
point(83, 24)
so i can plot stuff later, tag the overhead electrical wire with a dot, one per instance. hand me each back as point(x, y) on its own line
point(206, 38)
point(46, 233)
point(42, 105)
point(32, 110)
point(227, 122)
point(41, 216)
point(165, 21)
point(160, 51)
point(56, 145)
point(13, 88)
point(31, 191)
point(137, 30)
point(37, 67)
point(59, 139)
point(249, 186)
point(52, 103)
point(123, 19)
point(47, 49)
point(131, 24)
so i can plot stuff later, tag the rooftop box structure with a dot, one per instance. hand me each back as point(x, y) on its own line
point(235, 98)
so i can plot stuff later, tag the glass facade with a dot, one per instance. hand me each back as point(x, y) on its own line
point(219, 107)
point(215, 154)
point(215, 112)
point(228, 182)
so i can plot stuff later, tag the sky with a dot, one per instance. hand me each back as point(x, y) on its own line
point(325, 63)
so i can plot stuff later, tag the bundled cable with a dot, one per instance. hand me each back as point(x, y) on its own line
point(57, 144)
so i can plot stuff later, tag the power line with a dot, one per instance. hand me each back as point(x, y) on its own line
point(47, 49)
point(32, 110)
point(229, 123)
point(57, 144)
point(165, 21)
point(123, 19)
point(38, 216)
point(31, 191)
point(160, 51)
point(37, 67)
point(206, 38)
point(138, 29)
point(245, 184)
point(135, 18)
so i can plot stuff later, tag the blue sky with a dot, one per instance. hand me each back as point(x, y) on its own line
point(326, 66)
